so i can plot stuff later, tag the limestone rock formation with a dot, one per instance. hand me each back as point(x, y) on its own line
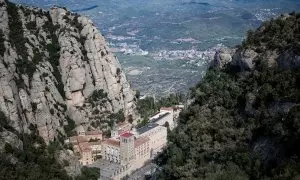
point(53, 64)
point(246, 59)
point(222, 57)
point(273, 45)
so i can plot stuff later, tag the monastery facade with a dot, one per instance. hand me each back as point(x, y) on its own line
point(128, 147)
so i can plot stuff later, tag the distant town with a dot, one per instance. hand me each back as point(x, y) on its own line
point(128, 148)
point(189, 54)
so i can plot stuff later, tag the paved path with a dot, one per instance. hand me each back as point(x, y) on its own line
point(140, 173)
point(107, 168)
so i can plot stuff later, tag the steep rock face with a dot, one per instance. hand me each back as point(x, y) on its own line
point(273, 45)
point(52, 64)
point(245, 59)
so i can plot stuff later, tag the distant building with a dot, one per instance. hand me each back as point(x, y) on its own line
point(94, 135)
point(86, 156)
point(80, 131)
point(164, 117)
point(142, 151)
point(96, 148)
point(127, 148)
point(177, 110)
point(157, 135)
point(87, 144)
point(131, 148)
point(120, 128)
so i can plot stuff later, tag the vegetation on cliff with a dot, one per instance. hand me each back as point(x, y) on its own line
point(242, 125)
point(24, 154)
point(36, 160)
point(280, 34)
point(149, 106)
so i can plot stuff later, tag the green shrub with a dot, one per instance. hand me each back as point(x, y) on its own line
point(117, 117)
point(97, 96)
point(278, 34)
point(69, 129)
point(16, 33)
point(31, 26)
point(34, 161)
point(2, 47)
point(90, 173)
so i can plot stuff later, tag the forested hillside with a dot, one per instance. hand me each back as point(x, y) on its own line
point(244, 122)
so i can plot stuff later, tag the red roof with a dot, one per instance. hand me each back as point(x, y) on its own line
point(126, 134)
point(78, 139)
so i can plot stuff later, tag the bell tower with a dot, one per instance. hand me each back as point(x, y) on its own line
point(126, 148)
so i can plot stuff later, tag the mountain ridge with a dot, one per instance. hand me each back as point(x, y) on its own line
point(244, 120)
point(57, 68)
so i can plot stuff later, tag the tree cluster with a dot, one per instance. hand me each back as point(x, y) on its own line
point(241, 125)
point(278, 34)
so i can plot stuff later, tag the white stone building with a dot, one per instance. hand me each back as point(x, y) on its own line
point(157, 135)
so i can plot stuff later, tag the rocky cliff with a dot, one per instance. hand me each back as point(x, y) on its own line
point(275, 42)
point(55, 67)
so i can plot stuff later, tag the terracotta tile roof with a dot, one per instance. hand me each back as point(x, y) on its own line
point(82, 139)
point(78, 139)
point(84, 147)
point(140, 141)
point(126, 134)
point(112, 142)
point(96, 132)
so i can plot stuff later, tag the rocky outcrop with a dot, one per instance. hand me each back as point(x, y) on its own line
point(243, 59)
point(246, 59)
point(51, 65)
point(222, 57)
point(10, 138)
point(275, 44)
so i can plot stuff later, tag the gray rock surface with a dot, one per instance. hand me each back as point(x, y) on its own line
point(10, 138)
point(56, 91)
point(244, 59)
point(222, 57)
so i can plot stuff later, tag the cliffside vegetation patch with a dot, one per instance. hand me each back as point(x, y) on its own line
point(278, 34)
